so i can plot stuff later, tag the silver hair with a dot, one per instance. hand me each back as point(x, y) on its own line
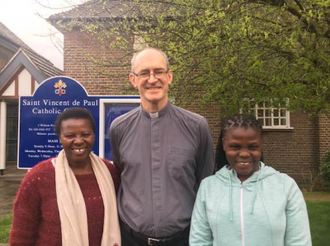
point(149, 48)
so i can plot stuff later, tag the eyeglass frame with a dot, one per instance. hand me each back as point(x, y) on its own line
point(163, 72)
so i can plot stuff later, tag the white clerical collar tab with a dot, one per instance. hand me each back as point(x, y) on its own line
point(154, 115)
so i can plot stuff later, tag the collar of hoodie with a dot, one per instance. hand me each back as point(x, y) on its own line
point(232, 175)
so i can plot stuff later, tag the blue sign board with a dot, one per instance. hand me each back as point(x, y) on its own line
point(37, 114)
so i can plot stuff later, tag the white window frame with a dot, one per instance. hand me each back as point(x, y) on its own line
point(271, 116)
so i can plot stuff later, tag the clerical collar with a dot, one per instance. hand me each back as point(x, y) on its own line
point(156, 114)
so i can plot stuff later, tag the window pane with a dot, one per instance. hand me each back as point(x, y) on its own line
point(268, 122)
point(12, 111)
point(261, 121)
point(283, 122)
point(276, 122)
point(275, 112)
point(260, 113)
point(12, 128)
point(11, 131)
point(283, 112)
point(267, 112)
point(11, 150)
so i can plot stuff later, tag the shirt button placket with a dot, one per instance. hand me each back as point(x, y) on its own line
point(155, 169)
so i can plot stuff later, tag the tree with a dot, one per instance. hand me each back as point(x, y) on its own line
point(228, 51)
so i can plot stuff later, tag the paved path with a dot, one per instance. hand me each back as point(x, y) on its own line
point(9, 184)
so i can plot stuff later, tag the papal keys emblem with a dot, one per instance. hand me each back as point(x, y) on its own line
point(60, 88)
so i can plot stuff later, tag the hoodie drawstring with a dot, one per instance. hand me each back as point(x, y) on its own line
point(230, 198)
point(231, 209)
point(255, 193)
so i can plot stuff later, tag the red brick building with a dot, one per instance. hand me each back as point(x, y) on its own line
point(294, 142)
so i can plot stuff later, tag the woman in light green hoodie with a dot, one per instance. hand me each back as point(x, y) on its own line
point(248, 203)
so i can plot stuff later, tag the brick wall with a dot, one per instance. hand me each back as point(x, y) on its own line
point(79, 48)
point(295, 151)
point(212, 113)
point(324, 134)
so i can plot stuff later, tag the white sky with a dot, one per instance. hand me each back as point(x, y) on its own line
point(22, 18)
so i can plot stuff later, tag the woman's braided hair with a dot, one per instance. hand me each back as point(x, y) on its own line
point(242, 120)
point(237, 120)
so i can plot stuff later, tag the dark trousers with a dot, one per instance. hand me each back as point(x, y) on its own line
point(128, 240)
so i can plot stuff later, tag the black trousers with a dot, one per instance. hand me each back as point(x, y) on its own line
point(128, 240)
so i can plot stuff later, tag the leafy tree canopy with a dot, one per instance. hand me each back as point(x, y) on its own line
point(230, 50)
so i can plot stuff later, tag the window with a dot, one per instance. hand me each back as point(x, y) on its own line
point(11, 135)
point(271, 117)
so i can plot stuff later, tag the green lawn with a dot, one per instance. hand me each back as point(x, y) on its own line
point(319, 219)
point(5, 224)
point(319, 216)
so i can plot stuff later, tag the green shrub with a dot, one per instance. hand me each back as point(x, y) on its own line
point(325, 166)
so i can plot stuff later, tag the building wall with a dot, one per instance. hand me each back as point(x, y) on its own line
point(212, 113)
point(296, 151)
point(324, 134)
point(79, 48)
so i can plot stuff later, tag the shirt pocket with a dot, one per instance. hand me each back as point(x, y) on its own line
point(181, 162)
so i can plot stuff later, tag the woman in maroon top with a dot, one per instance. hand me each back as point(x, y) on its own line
point(70, 199)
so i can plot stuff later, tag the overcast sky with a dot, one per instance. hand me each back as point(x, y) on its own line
point(22, 18)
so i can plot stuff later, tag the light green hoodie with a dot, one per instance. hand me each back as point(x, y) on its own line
point(267, 209)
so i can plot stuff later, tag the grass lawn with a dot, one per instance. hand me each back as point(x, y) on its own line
point(319, 219)
point(318, 205)
point(5, 224)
